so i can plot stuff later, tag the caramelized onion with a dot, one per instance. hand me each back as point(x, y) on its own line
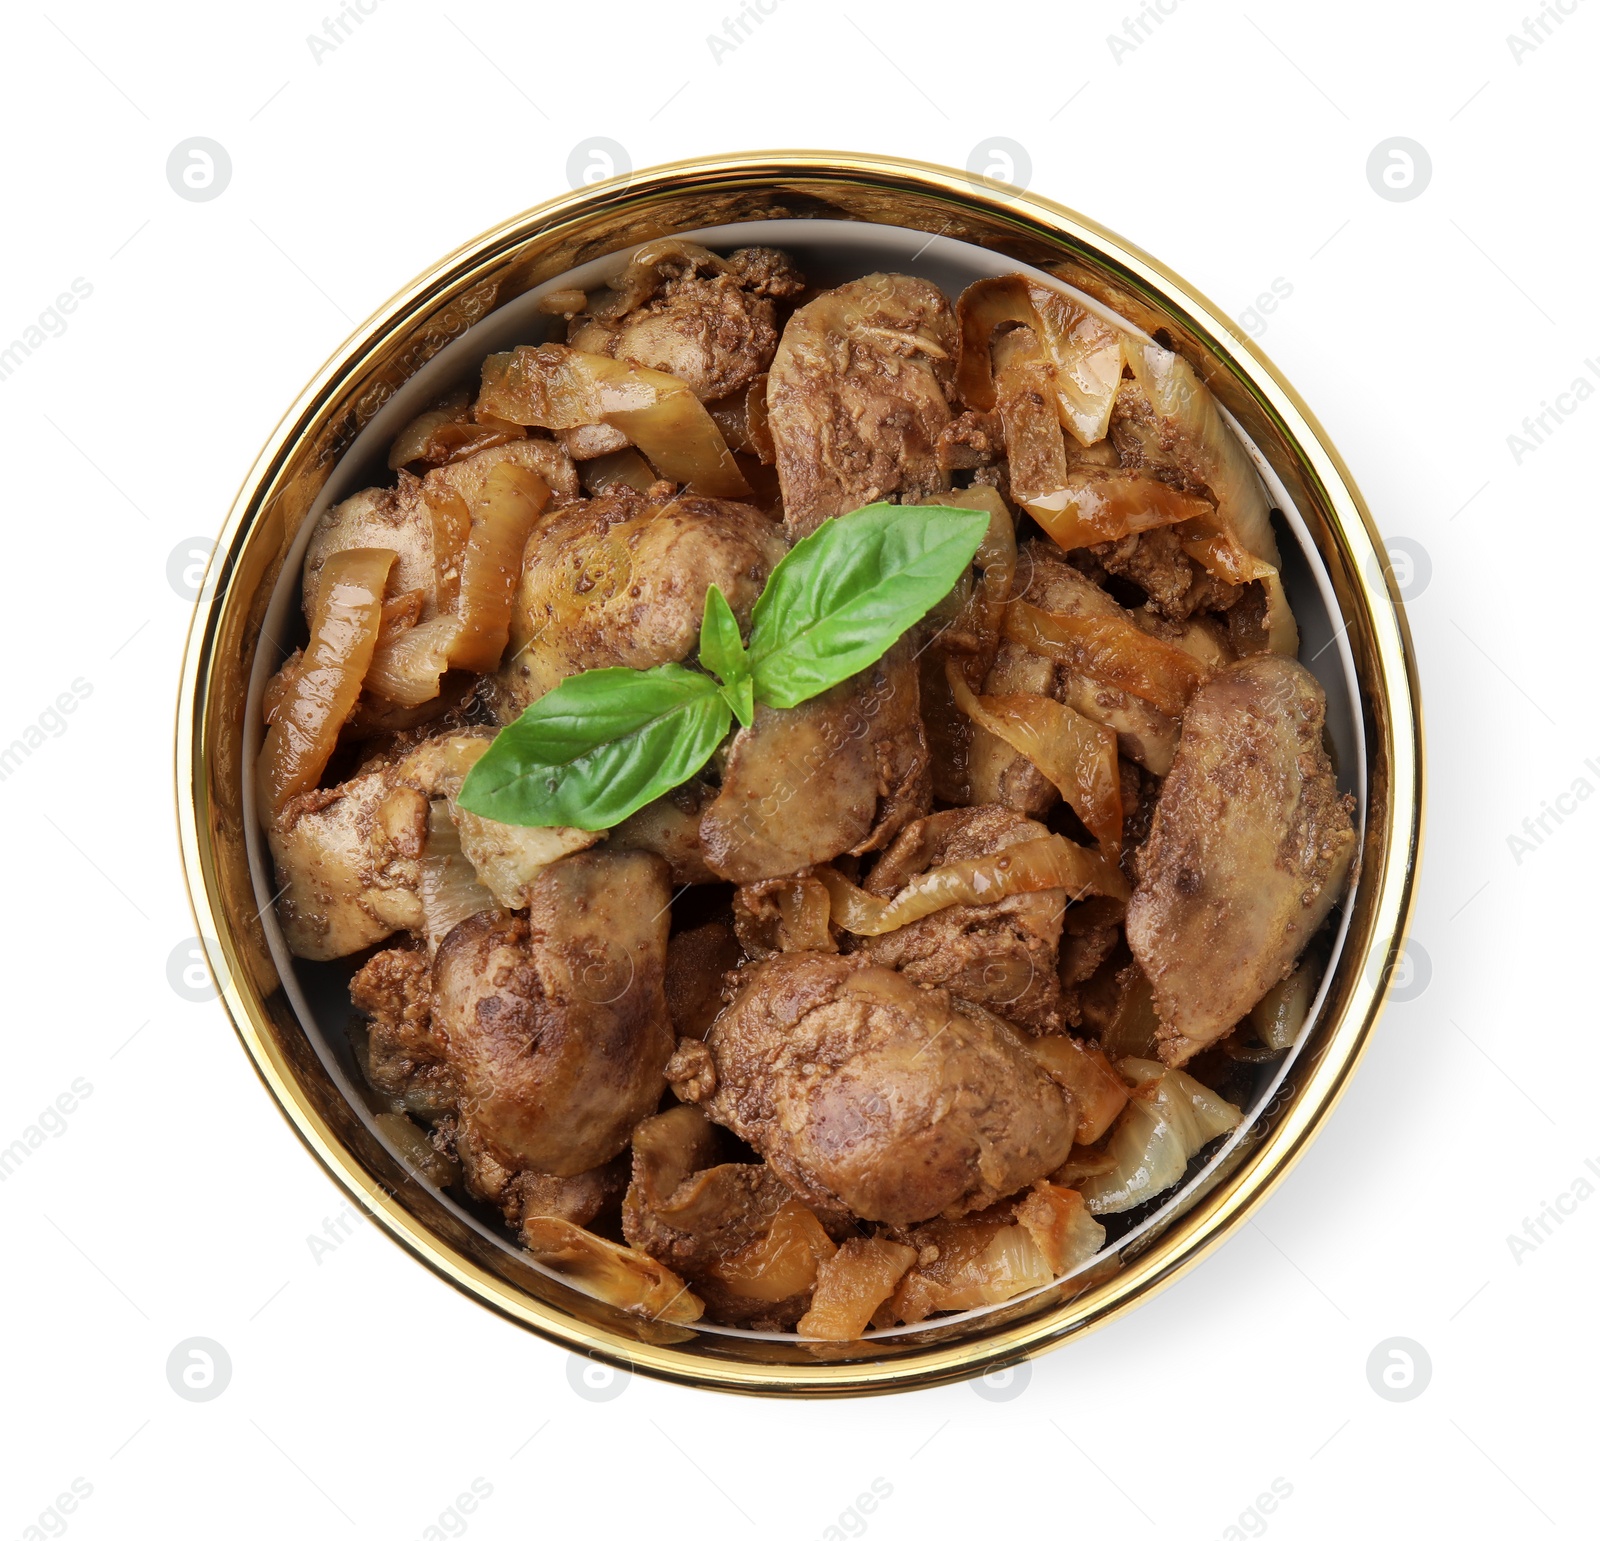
point(621, 468)
point(1212, 452)
point(513, 498)
point(1083, 353)
point(780, 1263)
point(1098, 1092)
point(447, 882)
point(1092, 506)
point(407, 671)
point(448, 432)
point(1078, 756)
point(632, 1281)
point(1169, 1119)
point(554, 386)
point(852, 1284)
point(1029, 867)
point(1036, 451)
point(481, 580)
point(975, 1263)
point(970, 639)
point(1280, 1014)
point(1111, 650)
point(327, 679)
point(1061, 1226)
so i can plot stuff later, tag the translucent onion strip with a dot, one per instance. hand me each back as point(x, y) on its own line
point(1111, 650)
point(482, 579)
point(1084, 353)
point(513, 498)
point(1077, 756)
point(327, 679)
point(1211, 451)
point(1099, 505)
point(447, 882)
point(1036, 452)
point(556, 387)
point(1031, 866)
point(632, 1281)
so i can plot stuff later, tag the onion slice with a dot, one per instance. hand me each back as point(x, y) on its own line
point(632, 1281)
point(1078, 756)
point(1169, 1119)
point(447, 882)
point(1111, 650)
point(1083, 353)
point(326, 681)
point(482, 580)
point(1092, 506)
point(554, 386)
point(1212, 452)
point(1029, 867)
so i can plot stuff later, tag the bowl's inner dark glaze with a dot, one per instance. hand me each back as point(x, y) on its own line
point(830, 252)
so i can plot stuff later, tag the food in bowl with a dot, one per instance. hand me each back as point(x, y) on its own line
point(815, 789)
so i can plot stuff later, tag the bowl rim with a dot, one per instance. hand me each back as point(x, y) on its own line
point(1396, 739)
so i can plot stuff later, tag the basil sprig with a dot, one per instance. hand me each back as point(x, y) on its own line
point(604, 743)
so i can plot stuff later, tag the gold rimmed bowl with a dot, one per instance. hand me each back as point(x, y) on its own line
point(841, 216)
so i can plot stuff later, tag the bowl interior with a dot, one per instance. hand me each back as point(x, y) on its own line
point(829, 251)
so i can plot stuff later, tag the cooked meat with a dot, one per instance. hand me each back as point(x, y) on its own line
point(670, 826)
point(859, 394)
point(389, 519)
point(872, 1095)
point(1090, 932)
point(1175, 585)
point(840, 772)
point(698, 961)
point(998, 774)
point(1143, 442)
point(521, 1194)
point(1044, 579)
point(345, 859)
point(783, 915)
point(398, 518)
point(693, 1213)
point(556, 1025)
point(621, 579)
point(505, 857)
point(892, 701)
point(972, 440)
point(710, 324)
point(1249, 850)
point(405, 1057)
point(1000, 955)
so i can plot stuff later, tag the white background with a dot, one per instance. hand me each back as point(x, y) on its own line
point(174, 1202)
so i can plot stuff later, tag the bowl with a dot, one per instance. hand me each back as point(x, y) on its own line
point(842, 215)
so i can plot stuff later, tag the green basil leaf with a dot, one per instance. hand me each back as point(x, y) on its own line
point(721, 646)
point(742, 698)
point(850, 590)
point(599, 747)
